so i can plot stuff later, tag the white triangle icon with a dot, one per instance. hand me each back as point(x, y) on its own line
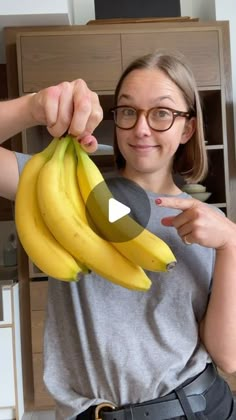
point(116, 210)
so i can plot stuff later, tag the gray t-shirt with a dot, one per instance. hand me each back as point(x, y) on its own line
point(106, 343)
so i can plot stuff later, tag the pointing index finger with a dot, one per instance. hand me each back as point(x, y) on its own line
point(176, 202)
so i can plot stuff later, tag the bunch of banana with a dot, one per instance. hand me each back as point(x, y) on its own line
point(52, 222)
point(52, 225)
point(145, 249)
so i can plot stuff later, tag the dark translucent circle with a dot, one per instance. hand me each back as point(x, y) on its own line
point(126, 192)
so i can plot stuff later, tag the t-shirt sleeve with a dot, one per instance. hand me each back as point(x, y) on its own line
point(21, 160)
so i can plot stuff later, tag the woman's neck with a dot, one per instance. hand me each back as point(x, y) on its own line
point(157, 182)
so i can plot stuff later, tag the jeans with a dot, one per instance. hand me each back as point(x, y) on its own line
point(220, 404)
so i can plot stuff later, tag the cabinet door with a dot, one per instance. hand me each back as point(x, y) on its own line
point(42, 398)
point(47, 59)
point(38, 302)
point(200, 47)
point(7, 388)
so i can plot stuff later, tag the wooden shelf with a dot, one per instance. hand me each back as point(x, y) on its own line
point(215, 147)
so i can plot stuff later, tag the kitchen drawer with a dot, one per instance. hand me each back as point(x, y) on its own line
point(200, 47)
point(38, 295)
point(42, 398)
point(46, 59)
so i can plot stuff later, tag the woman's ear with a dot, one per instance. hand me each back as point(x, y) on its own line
point(189, 129)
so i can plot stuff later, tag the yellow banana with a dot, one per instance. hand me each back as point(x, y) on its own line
point(75, 235)
point(71, 186)
point(145, 249)
point(38, 242)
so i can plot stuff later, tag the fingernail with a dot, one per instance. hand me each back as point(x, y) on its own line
point(158, 201)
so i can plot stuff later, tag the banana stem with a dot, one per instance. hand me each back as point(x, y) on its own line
point(61, 147)
point(170, 266)
point(49, 150)
point(79, 150)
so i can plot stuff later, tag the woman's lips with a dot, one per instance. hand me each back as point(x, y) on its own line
point(143, 147)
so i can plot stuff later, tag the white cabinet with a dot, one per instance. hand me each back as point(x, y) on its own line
point(11, 386)
point(7, 390)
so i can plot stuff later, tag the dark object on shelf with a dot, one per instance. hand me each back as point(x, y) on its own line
point(106, 9)
point(10, 251)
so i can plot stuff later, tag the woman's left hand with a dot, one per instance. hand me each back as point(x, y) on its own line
point(199, 223)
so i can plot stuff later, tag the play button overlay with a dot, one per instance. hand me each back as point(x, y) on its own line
point(118, 209)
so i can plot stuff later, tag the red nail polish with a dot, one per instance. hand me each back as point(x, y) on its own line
point(158, 201)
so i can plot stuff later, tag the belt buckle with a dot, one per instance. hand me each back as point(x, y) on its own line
point(101, 406)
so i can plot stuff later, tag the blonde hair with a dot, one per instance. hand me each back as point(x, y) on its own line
point(190, 159)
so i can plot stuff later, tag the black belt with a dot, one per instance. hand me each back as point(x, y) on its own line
point(172, 405)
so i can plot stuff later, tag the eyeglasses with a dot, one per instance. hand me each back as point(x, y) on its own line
point(158, 118)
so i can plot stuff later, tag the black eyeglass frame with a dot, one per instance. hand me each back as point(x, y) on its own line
point(175, 114)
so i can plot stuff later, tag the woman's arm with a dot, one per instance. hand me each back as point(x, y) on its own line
point(200, 224)
point(218, 328)
point(68, 107)
point(15, 116)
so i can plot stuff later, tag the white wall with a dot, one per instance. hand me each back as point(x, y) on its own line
point(84, 10)
point(202, 9)
point(34, 13)
point(29, 7)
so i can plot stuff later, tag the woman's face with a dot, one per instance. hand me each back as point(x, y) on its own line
point(146, 150)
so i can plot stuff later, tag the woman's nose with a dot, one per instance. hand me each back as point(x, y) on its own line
point(142, 127)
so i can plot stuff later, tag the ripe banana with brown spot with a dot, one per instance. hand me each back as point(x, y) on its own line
point(145, 249)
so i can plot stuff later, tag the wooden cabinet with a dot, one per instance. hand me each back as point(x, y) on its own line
point(99, 54)
point(38, 301)
point(214, 113)
point(5, 205)
point(48, 58)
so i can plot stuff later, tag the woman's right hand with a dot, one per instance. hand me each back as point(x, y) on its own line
point(68, 107)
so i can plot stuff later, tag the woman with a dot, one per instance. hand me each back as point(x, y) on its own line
point(152, 355)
